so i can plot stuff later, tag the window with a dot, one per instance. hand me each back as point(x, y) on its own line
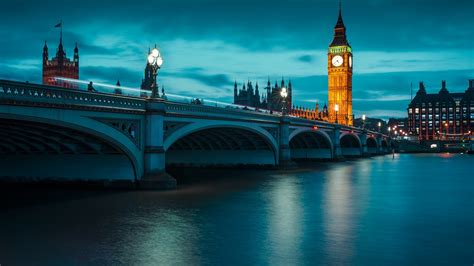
point(417, 110)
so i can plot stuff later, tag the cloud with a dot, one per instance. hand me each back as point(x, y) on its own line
point(196, 73)
point(306, 58)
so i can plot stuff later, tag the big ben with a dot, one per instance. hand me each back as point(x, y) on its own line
point(340, 76)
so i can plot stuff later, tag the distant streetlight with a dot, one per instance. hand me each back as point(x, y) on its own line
point(336, 109)
point(283, 94)
point(379, 125)
point(155, 60)
point(363, 121)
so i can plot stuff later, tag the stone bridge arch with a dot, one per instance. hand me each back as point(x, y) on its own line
point(310, 144)
point(372, 146)
point(221, 143)
point(350, 144)
point(69, 145)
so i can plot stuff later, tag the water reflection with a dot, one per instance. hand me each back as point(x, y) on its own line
point(285, 221)
point(338, 215)
point(412, 210)
point(162, 235)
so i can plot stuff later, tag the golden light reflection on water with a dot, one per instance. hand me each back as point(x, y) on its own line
point(338, 214)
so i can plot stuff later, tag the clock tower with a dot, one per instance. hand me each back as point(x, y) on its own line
point(340, 76)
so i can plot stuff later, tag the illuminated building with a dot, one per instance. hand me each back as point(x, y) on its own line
point(340, 76)
point(60, 66)
point(443, 114)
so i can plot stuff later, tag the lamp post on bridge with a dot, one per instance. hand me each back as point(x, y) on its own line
point(379, 124)
point(363, 121)
point(155, 60)
point(336, 109)
point(284, 95)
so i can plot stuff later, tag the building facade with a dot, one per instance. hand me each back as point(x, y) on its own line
point(270, 99)
point(60, 66)
point(340, 76)
point(441, 115)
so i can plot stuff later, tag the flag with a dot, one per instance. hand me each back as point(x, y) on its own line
point(58, 25)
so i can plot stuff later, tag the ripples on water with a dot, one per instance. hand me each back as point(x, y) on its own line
point(415, 209)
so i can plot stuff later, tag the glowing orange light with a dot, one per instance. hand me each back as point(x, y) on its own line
point(315, 127)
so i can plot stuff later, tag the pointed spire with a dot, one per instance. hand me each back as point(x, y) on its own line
point(76, 50)
point(340, 22)
point(118, 83)
point(340, 38)
point(45, 52)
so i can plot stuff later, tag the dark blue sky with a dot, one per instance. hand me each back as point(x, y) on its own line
point(207, 44)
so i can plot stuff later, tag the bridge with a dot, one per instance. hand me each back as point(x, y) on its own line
point(55, 133)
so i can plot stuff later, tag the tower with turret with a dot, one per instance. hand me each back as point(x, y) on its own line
point(60, 66)
point(340, 76)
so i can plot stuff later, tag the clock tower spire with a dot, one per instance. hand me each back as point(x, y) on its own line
point(340, 75)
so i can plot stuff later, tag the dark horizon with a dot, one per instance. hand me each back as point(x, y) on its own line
point(207, 45)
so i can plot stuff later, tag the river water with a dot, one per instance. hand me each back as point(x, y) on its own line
point(410, 210)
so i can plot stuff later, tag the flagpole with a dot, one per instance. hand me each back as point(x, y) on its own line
point(61, 30)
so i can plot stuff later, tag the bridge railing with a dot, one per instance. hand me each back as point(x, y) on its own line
point(23, 93)
point(227, 110)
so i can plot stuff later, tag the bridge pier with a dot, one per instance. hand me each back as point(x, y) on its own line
point(378, 139)
point(363, 141)
point(284, 152)
point(155, 176)
point(337, 143)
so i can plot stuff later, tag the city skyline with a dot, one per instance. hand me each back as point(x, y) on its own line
point(203, 58)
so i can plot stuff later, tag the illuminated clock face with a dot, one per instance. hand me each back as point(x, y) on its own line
point(337, 61)
point(350, 61)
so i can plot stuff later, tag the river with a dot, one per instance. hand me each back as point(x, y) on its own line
point(415, 209)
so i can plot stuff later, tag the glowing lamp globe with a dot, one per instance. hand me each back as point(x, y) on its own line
point(284, 93)
point(336, 107)
point(155, 53)
point(151, 59)
point(159, 61)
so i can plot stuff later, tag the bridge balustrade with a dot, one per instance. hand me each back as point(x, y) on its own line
point(22, 93)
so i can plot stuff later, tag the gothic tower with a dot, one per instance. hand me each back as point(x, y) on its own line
point(60, 66)
point(340, 75)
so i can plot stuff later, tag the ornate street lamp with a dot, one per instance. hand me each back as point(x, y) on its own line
point(389, 131)
point(155, 60)
point(283, 94)
point(336, 109)
point(363, 121)
point(379, 125)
